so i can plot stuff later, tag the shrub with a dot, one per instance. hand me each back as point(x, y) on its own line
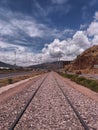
point(10, 81)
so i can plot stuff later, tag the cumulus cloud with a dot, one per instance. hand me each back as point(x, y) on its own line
point(54, 49)
point(15, 29)
point(63, 49)
point(93, 29)
point(81, 40)
point(71, 47)
point(66, 49)
point(95, 40)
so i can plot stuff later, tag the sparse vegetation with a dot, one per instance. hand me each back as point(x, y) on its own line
point(18, 70)
point(4, 82)
point(7, 81)
point(10, 81)
point(89, 83)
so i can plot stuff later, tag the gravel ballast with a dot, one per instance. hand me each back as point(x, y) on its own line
point(49, 110)
point(12, 106)
point(87, 107)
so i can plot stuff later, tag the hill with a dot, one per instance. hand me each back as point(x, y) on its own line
point(5, 65)
point(50, 65)
point(87, 60)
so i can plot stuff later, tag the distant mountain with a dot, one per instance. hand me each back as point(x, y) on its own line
point(50, 65)
point(2, 64)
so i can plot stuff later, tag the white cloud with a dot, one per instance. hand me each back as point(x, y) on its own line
point(95, 40)
point(42, 11)
point(92, 2)
point(81, 40)
point(12, 26)
point(59, 1)
point(55, 49)
point(7, 53)
point(83, 26)
point(93, 29)
point(55, 33)
point(17, 22)
point(5, 28)
point(84, 12)
point(12, 47)
point(11, 23)
point(66, 49)
point(96, 16)
point(28, 26)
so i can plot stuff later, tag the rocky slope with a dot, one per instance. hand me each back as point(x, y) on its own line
point(87, 60)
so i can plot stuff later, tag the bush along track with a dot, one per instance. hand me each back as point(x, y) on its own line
point(89, 83)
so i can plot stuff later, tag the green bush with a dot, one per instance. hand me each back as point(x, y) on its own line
point(71, 76)
point(81, 79)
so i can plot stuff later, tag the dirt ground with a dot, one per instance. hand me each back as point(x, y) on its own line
point(82, 89)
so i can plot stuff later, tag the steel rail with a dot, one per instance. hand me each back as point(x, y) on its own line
point(74, 109)
point(25, 107)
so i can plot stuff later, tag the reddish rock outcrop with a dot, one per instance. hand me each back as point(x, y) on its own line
point(87, 60)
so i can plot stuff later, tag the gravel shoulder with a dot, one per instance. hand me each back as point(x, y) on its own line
point(14, 100)
point(83, 99)
point(91, 94)
point(10, 90)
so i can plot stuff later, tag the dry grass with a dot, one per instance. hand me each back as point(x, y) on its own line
point(3, 82)
point(89, 83)
point(7, 81)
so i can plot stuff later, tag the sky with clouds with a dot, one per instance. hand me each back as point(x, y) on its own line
point(38, 31)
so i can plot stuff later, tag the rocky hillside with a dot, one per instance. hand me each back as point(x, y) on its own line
point(87, 60)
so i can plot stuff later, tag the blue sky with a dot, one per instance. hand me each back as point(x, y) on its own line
point(43, 30)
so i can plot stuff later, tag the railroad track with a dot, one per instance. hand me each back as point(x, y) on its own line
point(42, 91)
point(85, 126)
point(12, 107)
point(26, 106)
point(81, 105)
point(48, 103)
